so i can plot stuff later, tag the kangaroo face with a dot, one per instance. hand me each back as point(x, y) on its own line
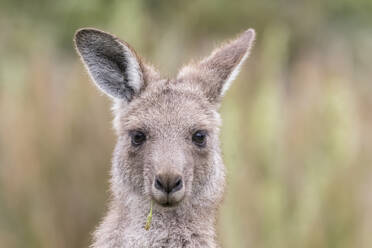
point(168, 139)
point(168, 148)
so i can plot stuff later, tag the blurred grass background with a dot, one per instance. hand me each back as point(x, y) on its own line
point(296, 138)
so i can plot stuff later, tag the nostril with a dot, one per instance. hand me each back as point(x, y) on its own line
point(178, 185)
point(158, 184)
point(168, 183)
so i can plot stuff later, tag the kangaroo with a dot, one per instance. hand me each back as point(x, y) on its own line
point(167, 155)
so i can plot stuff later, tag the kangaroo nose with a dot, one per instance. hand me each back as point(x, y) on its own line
point(168, 183)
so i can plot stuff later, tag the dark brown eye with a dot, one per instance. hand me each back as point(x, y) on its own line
point(138, 138)
point(199, 138)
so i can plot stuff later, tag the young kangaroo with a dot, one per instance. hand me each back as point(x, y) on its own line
point(167, 153)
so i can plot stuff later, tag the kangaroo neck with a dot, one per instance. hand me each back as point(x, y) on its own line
point(186, 225)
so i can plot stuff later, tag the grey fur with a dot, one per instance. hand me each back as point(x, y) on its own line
point(169, 112)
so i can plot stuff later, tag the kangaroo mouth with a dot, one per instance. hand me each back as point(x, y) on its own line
point(172, 204)
point(169, 202)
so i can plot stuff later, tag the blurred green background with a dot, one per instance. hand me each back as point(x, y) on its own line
point(296, 137)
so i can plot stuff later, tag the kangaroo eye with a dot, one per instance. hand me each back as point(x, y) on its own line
point(199, 138)
point(138, 138)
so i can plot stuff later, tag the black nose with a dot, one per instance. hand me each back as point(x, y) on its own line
point(168, 183)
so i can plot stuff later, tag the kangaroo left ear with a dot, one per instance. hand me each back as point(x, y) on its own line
point(112, 64)
point(215, 73)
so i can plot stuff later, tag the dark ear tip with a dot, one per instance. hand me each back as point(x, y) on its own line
point(85, 34)
point(87, 31)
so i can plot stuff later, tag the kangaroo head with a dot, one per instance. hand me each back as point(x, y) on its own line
point(168, 147)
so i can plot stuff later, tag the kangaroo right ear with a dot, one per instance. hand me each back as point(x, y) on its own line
point(112, 64)
point(215, 73)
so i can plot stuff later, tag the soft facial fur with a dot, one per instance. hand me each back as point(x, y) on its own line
point(168, 146)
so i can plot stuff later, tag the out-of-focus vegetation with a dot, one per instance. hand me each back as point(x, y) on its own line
point(297, 137)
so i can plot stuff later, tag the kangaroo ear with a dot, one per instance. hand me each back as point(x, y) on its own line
point(215, 73)
point(112, 64)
